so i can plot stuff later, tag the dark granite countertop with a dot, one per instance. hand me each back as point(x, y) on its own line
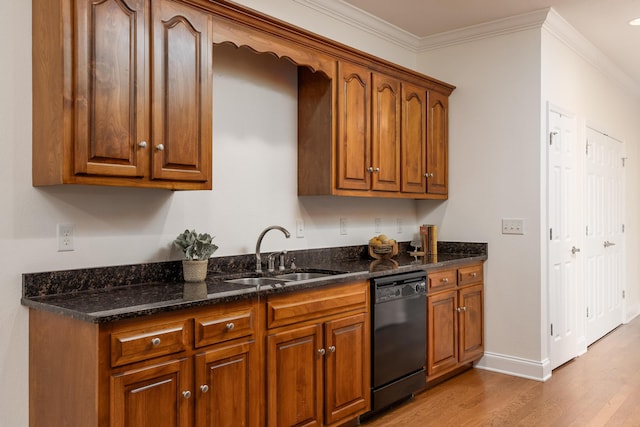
point(108, 294)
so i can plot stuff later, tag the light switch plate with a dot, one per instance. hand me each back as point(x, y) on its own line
point(512, 226)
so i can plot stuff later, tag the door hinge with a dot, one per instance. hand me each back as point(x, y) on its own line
point(623, 228)
point(586, 148)
point(552, 329)
point(587, 230)
point(624, 294)
point(551, 135)
point(587, 312)
point(551, 234)
point(624, 159)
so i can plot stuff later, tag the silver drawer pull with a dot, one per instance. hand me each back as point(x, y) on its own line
point(186, 394)
point(332, 349)
point(160, 147)
point(230, 326)
point(155, 342)
point(445, 280)
point(204, 388)
point(321, 352)
point(474, 274)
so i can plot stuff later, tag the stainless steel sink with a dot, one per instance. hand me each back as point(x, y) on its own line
point(256, 281)
point(305, 275)
point(252, 280)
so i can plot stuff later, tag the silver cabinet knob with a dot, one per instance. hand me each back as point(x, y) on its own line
point(160, 147)
point(370, 169)
point(321, 352)
point(204, 388)
point(575, 250)
point(376, 170)
point(474, 274)
point(155, 342)
point(142, 144)
point(186, 394)
point(332, 349)
point(230, 326)
point(428, 175)
point(461, 309)
point(445, 280)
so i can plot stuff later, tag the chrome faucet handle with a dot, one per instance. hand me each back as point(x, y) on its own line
point(271, 262)
point(282, 267)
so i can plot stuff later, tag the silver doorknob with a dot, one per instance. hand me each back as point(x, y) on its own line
point(608, 243)
point(204, 388)
point(160, 147)
point(142, 144)
point(574, 250)
point(155, 341)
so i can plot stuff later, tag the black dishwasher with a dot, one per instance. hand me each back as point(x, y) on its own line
point(399, 339)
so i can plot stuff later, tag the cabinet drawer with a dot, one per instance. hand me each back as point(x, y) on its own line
point(133, 345)
point(468, 275)
point(224, 326)
point(308, 305)
point(442, 280)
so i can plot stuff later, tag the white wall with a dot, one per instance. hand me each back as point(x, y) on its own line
point(495, 173)
point(496, 147)
point(254, 186)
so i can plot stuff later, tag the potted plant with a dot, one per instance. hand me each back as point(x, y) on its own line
point(197, 249)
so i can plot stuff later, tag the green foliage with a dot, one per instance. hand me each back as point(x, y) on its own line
point(195, 246)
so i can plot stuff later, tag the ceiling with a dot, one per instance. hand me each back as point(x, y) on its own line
point(603, 22)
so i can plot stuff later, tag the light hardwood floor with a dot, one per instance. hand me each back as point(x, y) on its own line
point(600, 388)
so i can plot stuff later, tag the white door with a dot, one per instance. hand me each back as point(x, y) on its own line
point(565, 260)
point(604, 243)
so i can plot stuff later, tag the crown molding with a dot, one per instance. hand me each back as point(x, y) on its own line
point(544, 19)
point(512, 24)
point(354, 17)
point(558, 27)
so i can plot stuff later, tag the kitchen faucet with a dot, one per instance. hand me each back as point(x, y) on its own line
point(259, 242)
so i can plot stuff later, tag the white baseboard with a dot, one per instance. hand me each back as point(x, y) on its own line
point(530, 369)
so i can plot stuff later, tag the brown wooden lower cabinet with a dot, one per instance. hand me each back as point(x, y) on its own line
point(216, 366)
point(318, 371)
point(455, 319)
point(152, 395)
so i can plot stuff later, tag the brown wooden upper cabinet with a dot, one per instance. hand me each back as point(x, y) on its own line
point(390, 136)
point(122, 93)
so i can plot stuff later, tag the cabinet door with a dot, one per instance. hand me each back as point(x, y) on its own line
point(438, 144)
point(294, 377)
point(347, 367)
point(224, 384)
point(471, 322)
point(414, 139)
point(152, 396)
point(354, 127)
point(442, 332)
point(110, 88)
point(386, 133)
point(181, 75)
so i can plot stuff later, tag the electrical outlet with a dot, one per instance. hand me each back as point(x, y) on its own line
point(343, 226)
point(377, 225)
point(65, 237)
point(299, 228)
point(512, 226)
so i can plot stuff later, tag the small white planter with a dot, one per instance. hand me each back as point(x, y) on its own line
point(194, 270)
